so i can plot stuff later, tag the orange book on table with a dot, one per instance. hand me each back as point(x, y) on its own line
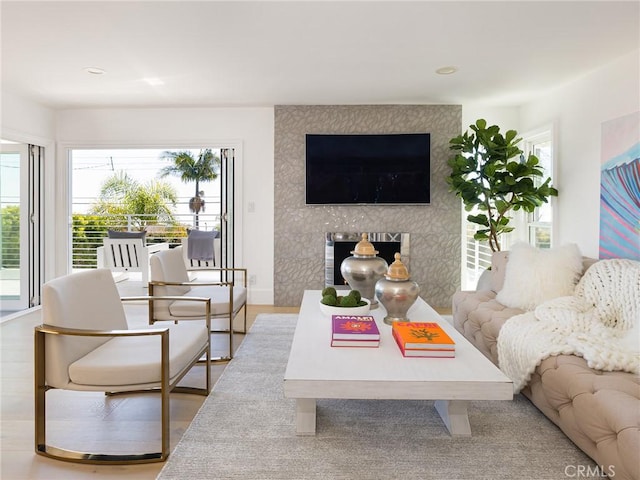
point(422, 336)
point(424, 352)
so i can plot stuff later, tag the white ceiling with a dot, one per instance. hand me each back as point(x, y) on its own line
point(210, 53)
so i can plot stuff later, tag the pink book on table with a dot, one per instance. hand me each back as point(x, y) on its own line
point(354, 327)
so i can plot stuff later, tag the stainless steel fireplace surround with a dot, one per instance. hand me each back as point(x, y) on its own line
point(338, 246)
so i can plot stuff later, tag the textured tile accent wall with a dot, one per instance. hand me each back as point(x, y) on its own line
point(300, 229)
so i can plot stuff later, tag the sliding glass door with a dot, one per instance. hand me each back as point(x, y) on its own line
point(14, 279)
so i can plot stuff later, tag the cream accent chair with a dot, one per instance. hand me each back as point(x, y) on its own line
point(169, 277)
point(85, 344)
point(127, 255)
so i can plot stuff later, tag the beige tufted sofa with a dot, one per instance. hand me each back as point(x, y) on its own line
point(599, 411)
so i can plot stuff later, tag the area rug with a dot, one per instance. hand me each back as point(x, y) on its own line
point(246, 430)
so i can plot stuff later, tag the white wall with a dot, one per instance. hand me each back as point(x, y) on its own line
point(251, 129)
point(579, 109)
point(505, 117)
point(26, 121)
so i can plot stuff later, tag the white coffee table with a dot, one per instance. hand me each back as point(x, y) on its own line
point(317, 370)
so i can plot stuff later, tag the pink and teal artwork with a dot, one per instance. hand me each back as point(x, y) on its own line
point(620, 188)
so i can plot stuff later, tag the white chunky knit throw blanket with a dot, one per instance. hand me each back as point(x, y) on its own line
point(599, 322)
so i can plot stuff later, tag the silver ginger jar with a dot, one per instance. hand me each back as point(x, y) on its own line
point(396, 292)
point(363, 269)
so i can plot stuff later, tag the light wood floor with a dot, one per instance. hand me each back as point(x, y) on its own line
point(86, 421)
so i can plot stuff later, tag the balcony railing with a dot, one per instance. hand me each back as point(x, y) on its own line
point(89, 230)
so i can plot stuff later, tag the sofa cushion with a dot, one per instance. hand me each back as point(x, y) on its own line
point(479, 317)
point(535, 275)
point(136, 360)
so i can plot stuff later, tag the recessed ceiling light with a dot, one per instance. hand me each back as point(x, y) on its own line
point(447, 70)
point(94, 70)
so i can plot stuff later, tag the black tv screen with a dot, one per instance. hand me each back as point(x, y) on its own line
point(368, 169)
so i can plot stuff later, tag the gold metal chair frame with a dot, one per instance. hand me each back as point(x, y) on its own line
point(165, 388)
point(230, 330)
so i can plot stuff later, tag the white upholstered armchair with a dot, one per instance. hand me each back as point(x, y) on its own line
point(169, 276)
point(85, 344)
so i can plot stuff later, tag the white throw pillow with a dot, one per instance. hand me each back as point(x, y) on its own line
point(534, 275)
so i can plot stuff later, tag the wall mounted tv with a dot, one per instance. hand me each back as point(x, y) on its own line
point(368, 169)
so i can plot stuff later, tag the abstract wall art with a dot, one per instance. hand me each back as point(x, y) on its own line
point(620, 188)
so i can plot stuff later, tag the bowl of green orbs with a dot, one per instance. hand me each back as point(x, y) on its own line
point(350, 303)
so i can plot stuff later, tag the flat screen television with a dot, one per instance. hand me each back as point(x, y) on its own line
point(368, 169)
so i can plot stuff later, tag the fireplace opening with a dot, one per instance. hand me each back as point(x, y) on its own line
point(339, 245)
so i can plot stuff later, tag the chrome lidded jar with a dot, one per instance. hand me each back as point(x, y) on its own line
point(396, 292)
point(363, 269)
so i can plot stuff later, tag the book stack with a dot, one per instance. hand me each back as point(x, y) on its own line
point(423, 339)
point(354, 331)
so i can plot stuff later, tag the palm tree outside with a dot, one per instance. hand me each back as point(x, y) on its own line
point(204, 168)
point(121, 195)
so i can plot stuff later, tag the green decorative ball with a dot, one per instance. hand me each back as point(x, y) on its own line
point(330, 291)
point(330, 300)
point(355, 294)
point(348, 301)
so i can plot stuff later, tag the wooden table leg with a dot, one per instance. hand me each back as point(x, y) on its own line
point(306, 416)
point(455, 417)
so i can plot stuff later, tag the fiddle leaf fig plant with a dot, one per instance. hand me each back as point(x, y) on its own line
point(491, 175)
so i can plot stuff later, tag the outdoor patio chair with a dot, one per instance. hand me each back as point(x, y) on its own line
point(198, 258)
point(128, 255)
point(85, 344)
point(169, 277)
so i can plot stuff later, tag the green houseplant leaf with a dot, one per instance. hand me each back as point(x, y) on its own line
point(490, 173)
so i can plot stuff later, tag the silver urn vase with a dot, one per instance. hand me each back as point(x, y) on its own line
point(396, 292)
point(363, 269)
